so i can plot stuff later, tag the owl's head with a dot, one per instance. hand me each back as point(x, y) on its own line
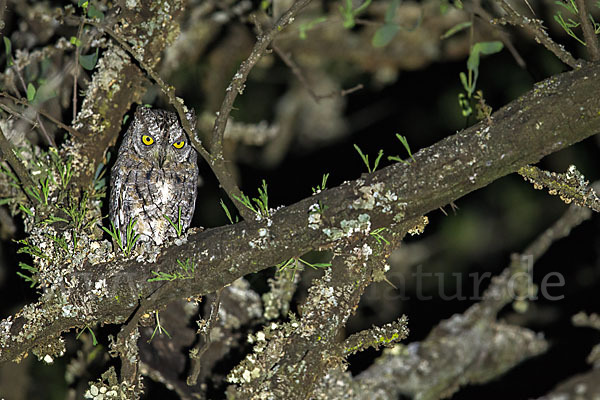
point(157, 135)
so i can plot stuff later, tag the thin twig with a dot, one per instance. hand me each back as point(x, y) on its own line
point(570, 186)
point(7, 152)
point(49, 140)
point(203, 345)
point(298, 73)
point(56, 122)
point(591, 41)
point(535, 28)
point(504, 36)
point(238, 82)
point(76, 68)
point(45, 133)
point(17, 114)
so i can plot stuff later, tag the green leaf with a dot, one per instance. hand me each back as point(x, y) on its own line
point(8, 49)
point(89, 61)
point(75, 41)
point(30, 92)
point(44, 92)
point(82, 3)
point(569, 6)
point(390, 13)
point(93, 12)
point(485, 48)
point(384, 35)
point(455, 29)
point(463, 79)
point(488, 48)
point(306, 26)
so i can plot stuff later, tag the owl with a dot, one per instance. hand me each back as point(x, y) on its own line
point(155, 177)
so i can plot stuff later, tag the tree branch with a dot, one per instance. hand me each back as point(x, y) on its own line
point(550, 117)
point(472, 347)
point(591, 40)
point(534, 28)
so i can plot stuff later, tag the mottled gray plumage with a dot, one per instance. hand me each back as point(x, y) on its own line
point(152, 177)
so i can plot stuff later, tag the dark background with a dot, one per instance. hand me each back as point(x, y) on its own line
point(488, 226)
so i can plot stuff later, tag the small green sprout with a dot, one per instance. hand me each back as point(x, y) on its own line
point(8, 51)
point(94, 341)
point(178, 227)
point(569, 23)
point(30, 249)
point(322, 186)
point(28, 278)
point(131, 237)
point(228, 213)
point(294, 263)
point(30, 92)
point(365, 159)
point(61, 242)
point(25, 210)
point(188, 267)
point(262, 202)
point(406, 146)
point(384, 35)
point(158, 328)
point(52, 219)
point(63, 167)
point(469, 80)
point(12, 178)
point(307, 26)
point(377, 234)
point(40, 195)
point(349, 13)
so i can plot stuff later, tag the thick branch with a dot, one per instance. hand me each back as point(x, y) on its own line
point(554, 115)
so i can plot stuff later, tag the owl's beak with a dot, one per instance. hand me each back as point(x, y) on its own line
point(162, 156)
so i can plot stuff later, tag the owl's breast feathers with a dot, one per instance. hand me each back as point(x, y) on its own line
point(149, 194)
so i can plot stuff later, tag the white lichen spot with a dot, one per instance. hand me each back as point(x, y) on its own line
point(247, 376)
point(67, 310)
point(100, 288)
point(420, 227)
point(48, 359)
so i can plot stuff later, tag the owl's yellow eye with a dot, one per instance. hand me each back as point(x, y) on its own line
point(179, 145)
point(147, 140)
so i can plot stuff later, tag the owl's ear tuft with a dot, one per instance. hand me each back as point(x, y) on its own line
point(141, 111)
point(191, 116)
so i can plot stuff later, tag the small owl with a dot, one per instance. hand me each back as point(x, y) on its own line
point(155, 177)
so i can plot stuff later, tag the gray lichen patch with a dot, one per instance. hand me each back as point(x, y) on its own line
point(361, 225)
point(375, 195)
